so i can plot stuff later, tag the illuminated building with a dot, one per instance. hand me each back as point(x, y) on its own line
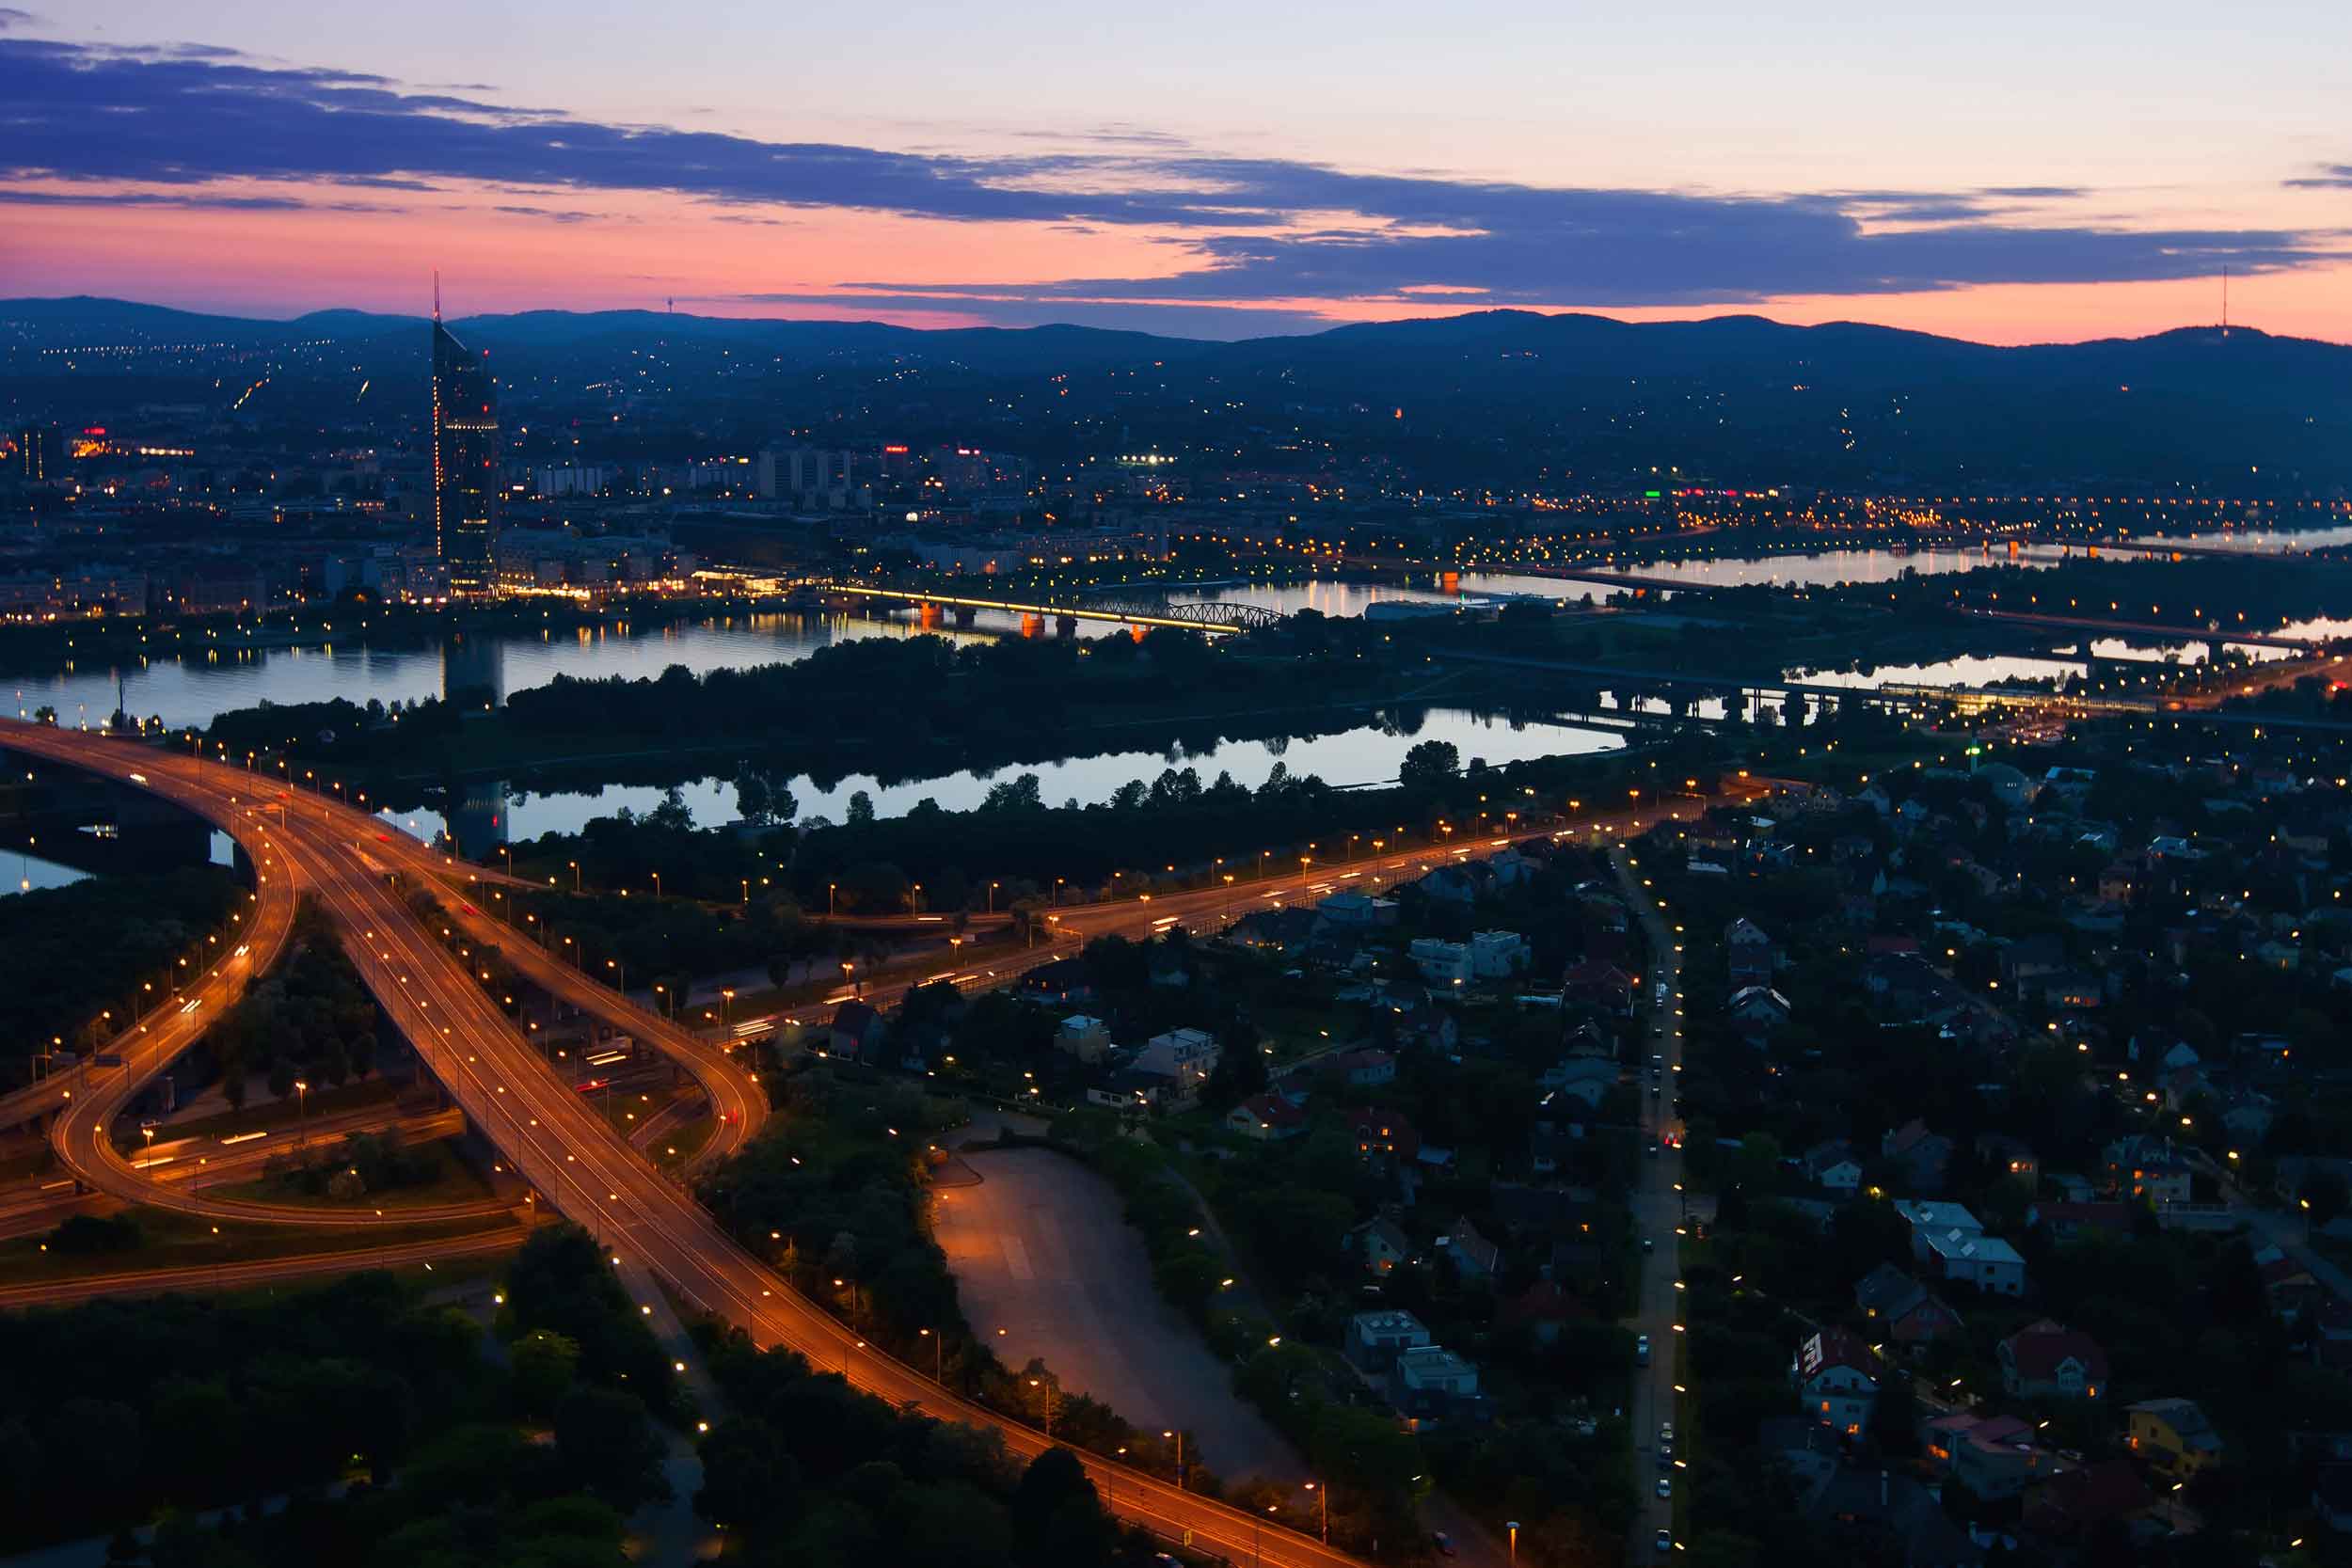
point(465, 460)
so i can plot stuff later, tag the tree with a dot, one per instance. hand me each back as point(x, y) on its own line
point(861, 809)
point(953, 1522)
point(1053, 1487)
point(2325, 1194)
point(747, 1474)
point(1894, 1417)
point(544, 1364)
point(607, 1442)
point(1428, 763)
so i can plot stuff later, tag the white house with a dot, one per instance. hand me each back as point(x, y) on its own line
point(1974, 1257)
point(1927, 1218)
point(1087, 1039)
point(1496, 954)
point(1441, 963)
point(1187, 1055)
point(1836, 1376)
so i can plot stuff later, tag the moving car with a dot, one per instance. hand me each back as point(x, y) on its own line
point(1640, 1350)
point(1648, 1244)
point(1665, 1541)
point(1665, 1486)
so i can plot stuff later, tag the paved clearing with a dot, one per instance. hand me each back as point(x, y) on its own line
point(1041, 1250)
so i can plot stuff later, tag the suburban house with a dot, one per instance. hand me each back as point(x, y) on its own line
point(1541, 1308)
point(1832, 1165)
point(2144, 1167)
point(1992, 1456)
point(1087, 1039)
point(1587, 1078)
point(1451, 884)
point(2001, 1152)
point(1911, 1314)
point(1925, 1217)
point(1381, 1135)
point(1441, 963)
point(1382, 1244)
point(857, 1030)
point(1375, 1340)
point(1757, 1012)
point(1596, 983)
point(1267, 1118)
point(2072, 1503)
point(2048, 1360)
point(1837, 1377)
point(1062, 981)
point(1366, 1069)
point(1918, 1154)
point(1187, 1055)
point(1752, 955)
point(1134, 1092)
point(2173, 1437)
point(1431, 1383)
point(1973, 1258)
point(1475, 1256)
point(1358, 909)
point(1951, 1241)
point(1414, 1019)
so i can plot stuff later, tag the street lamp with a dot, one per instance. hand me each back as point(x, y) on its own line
point(726, 995)
point(302, 1112)
point(620, 981)
point(939, 1356)
point(1179, 1435)
point(1323, 1497)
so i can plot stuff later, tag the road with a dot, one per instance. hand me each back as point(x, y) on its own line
point(81, 1128)
point(41, 1202)
point(1657, 1210)
point(268, 1271)
point(1205, 910)
point(583, 1168)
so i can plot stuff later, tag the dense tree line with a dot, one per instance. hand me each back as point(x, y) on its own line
point(809, 1472)
point(74, 952)
point(309, 1020)
point(113, 1411)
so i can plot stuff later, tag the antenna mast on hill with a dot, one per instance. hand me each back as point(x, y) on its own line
point(2225, 299)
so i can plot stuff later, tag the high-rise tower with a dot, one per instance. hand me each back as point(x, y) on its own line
point(465, 460)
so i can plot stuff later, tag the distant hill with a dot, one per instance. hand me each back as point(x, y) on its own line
point(1492, 397)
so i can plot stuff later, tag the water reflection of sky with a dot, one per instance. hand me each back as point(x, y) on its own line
point(1365, 755)
point(25, 873)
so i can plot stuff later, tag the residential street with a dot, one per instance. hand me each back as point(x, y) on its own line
point(1656, 1209)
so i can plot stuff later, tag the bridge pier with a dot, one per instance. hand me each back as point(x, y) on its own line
point(1065, 625)
point(965, 615)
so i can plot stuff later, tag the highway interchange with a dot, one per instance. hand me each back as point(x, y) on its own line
point(570, 1156)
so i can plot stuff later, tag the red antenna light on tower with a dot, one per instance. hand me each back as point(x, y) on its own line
point(437, 294)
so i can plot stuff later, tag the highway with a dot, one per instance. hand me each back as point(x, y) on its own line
point(582, 1167)
point(1206, 910)
point(198, 1163)
point(267, 1271)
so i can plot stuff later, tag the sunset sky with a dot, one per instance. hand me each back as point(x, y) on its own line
point(2002, 171)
